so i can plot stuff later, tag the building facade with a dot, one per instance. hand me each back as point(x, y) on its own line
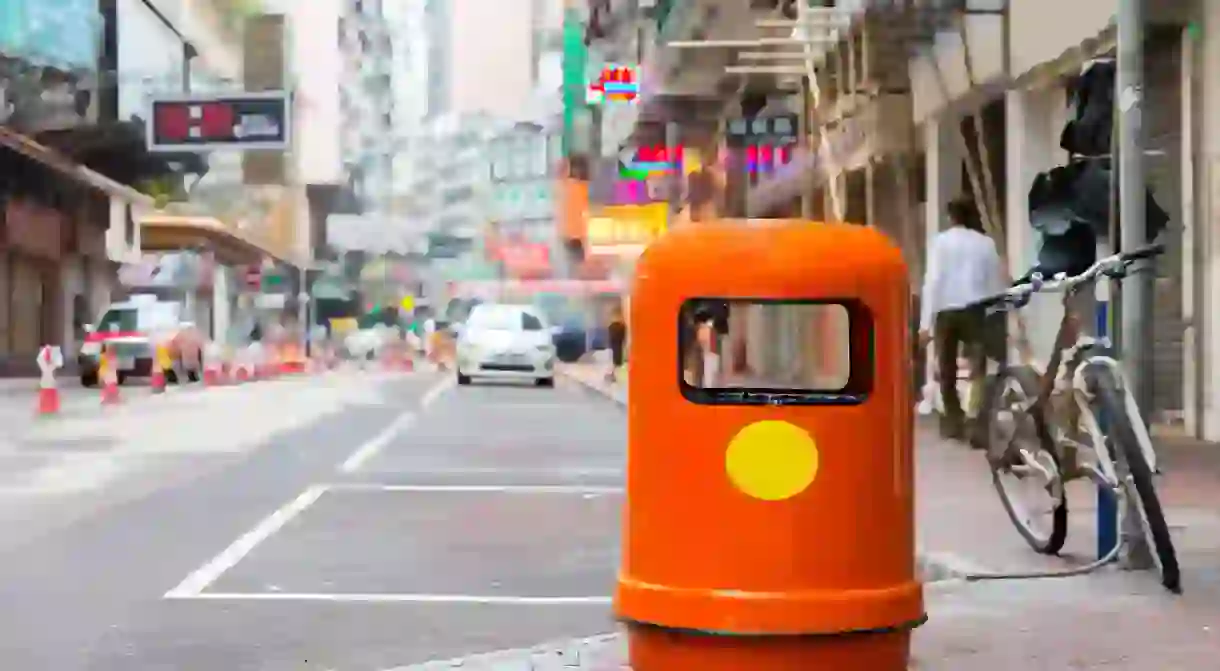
point(973, 103)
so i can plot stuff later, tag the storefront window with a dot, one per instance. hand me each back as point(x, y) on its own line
point(774, 352)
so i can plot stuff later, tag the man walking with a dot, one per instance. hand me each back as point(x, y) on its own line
point(963, 268)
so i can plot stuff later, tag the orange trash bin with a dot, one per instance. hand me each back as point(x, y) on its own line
point(769, 522)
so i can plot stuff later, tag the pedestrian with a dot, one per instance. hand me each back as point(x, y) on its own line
point(963, 268)
point(708, 340)
point(616, 333)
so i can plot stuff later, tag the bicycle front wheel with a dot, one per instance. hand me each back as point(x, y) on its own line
point(1025, 468)
point(1109, 401)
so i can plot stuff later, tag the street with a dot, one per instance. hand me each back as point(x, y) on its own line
point(364, 520)
point(354, 521)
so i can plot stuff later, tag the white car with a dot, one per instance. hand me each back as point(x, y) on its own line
point(505, 342)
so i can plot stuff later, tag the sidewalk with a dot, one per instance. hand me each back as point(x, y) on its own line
point(1112, 620)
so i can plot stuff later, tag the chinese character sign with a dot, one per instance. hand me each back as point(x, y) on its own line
point(615, 83)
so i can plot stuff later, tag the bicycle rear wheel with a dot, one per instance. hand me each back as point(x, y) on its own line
point(1014, 436)
point(1110, 402)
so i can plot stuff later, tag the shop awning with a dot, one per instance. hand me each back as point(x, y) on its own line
point(164, 233)
point(61, 164)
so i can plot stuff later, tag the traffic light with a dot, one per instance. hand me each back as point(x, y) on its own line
point(1091, 97)
point(1070, 206)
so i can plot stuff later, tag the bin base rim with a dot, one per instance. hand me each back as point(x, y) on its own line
point(801, 613)
point(892, 629)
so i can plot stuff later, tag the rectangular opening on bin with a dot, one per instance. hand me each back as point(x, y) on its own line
point(774, 352)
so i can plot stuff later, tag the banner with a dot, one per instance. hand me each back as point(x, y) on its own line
point(64, 34)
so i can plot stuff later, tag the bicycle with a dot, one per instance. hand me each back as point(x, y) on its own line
point(1038, 426)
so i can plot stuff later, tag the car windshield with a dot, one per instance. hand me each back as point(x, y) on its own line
point(128, 319)
point(502, 318)
point(118, 320)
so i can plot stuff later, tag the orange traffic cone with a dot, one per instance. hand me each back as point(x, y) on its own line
point(156, 380)
point(211, 376)
point(48, 392)
point(109, 377)
point(160, 365)
point(110, 391)
point(48, 400)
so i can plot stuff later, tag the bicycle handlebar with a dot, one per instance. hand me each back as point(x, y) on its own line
point(1019, 294)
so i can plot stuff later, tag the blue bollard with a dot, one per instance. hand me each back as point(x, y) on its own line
point(1107, 504)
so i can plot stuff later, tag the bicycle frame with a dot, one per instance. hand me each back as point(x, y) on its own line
point(1071, 354)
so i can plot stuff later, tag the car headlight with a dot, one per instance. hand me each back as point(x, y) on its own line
point(546, 349)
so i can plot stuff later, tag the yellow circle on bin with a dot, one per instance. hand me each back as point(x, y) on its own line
point(772, 460)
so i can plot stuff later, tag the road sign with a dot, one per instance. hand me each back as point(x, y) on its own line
point(207, 123)
point(407, 303)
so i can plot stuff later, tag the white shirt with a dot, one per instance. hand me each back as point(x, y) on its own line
point(963, 267)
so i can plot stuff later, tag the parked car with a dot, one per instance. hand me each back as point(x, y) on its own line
point(505, 342)
point(132, 328)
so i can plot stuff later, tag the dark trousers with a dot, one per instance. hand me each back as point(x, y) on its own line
point(958, 331)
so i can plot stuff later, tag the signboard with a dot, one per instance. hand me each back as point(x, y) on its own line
point(762, 144)
point(253, 277)
point(615, 83)
point(640, 163)
point(524, 259)
point(207, 123)
point(625, 228)
point(776, 131)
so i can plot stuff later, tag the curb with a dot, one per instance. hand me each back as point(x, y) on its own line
point(557, 655)
point(600, 389)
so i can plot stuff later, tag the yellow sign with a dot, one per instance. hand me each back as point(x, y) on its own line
point(407, 303)
point(627, 225)
point(341, 325)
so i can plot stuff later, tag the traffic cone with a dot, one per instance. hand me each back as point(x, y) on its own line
point(110, 390)
point(48, 391)
point(48, 400)
point(156, 380)
point(109, 377)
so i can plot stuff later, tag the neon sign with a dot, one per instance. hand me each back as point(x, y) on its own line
point(616, 83)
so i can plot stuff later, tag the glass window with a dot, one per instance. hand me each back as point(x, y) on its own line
point(495, 318)
point(774, 352)
point(118, 320)
point(158, 316)
point(530, 323)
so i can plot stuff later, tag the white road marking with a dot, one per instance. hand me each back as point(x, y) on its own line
point(400, 598)
point(204, 576)
point(377, 443)
point(383, 438)
point(436, 391)
point(476, 489)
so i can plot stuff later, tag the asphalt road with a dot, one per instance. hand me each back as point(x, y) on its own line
point(446, 521)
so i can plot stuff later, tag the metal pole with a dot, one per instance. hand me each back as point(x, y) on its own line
point(1136, 294)
point(802, 134)
point(673, 137)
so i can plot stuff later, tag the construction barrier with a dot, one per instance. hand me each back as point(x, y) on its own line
point(790, 542)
